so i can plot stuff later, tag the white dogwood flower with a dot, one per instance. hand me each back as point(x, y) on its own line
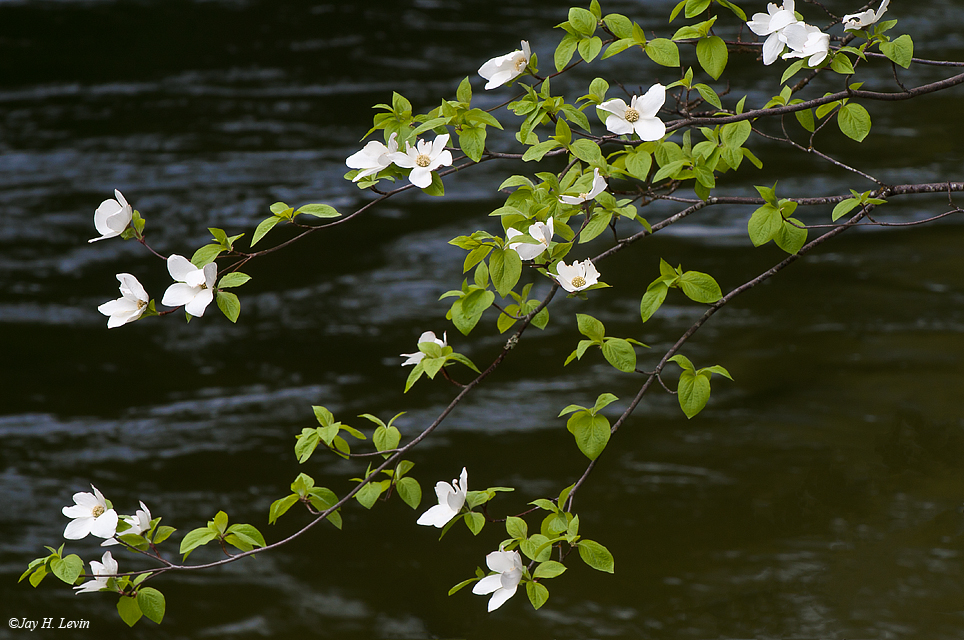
point(772, 24)
point(503, 584)
point(598, 186)
point(102, 570)
point(451, 497)
point(428, 336)
point(194, 289)
point(639, 116)
point(805, 41)
point(374, 157)
point(503, 69)
point(577, 276)
point(90, 515)
point(112, 217)
point(130, 306)
point(424, 158)
point(857, 21)
point(139, 523)
point(539, 231)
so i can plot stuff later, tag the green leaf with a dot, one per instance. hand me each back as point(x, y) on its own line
point(369, 494)
point(582, 21)
point(589, 48)
point(248, 534)
point(235, 279)
point(206, 255)
point(700, 287)
point(263, 228)
point(591, 432)
point(734, 134)
point(683, 362)
point(620, 25)
point(900, 50)
point(765, 223)
point(467, 311)
point(710, 96)
point(229, 305)
point(319, 211)
point(841, 64)
point(151, 603)
point(620, 354)
point(549, 569)
point(590, 327)
point(472, 141)
point(587, 151)
point(596, 556)
point(854, 121)
point(652, 299)
point(474, 521)
point(410, 492)
point(791, 237)
point(805, 118)
point(67, 569)
point(844, 207)
point(564, 51)
point(536, 152)
point(693, 393)
point(603, 401)
point(695, 7)
point(516, 528)
point(462, 584)
point(280, 506)
point(162, 533)
point(505, 269)
point(129, 612)
point(195, 539)
point(663, 52)
point(639, 163)
point(792, 70)
point(538, 594)
point(436, 188)
point(712, 54)
point(464, 92)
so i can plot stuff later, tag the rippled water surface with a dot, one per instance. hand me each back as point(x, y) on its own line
point(818, 495)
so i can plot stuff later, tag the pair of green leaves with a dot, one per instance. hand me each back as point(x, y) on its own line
point(590, 429)
point(522, 308)
point(407, 488)
point(66, 568)
point(242, 536)
point(773, 221)
point(145, 601)
point(619, 352)
point(711, 51)
point(693, 391)
point(629, 34)
point(697, 286)
point(304, 490)
point(327, 433)
point(858, 200)
point(281, 212)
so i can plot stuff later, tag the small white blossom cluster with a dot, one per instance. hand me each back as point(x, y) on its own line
point(193, 288)
point(507, 565)
point(424, 158)
point(782, 29)
point(91, 514)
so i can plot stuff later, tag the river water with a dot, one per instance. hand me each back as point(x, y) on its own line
point(818, 496)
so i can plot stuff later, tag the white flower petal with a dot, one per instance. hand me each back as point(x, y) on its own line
point(438, 516)
point(649, 129)
point(652, 101)
point(105, 526)
point(179, 294)
point(179, 267)
point(78, 528)
point(421, 177)
point(499, 598)
point(200, 302)
point(615, 106)
point(618, 125)
point(487, 585)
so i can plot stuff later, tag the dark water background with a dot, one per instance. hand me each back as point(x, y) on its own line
point(818, 496)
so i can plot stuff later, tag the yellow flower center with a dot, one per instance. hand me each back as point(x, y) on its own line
point(520, 64)
point(632, 115)
point(579, 281)
point(423, 160)
point(97, 511)
point(141, 304)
